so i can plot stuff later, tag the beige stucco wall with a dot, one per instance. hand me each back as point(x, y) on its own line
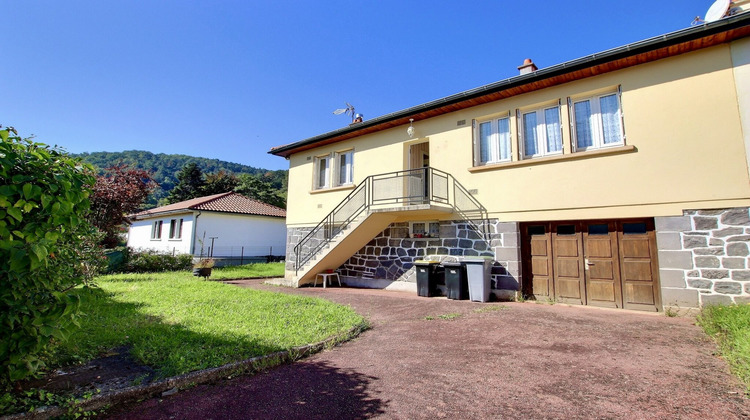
point(681, 115)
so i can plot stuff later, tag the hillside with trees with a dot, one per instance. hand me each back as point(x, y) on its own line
point(165, 168)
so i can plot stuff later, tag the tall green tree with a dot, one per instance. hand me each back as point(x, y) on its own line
point(44, 249)
point(253, 187)
point(190, 184)
point(220, 182)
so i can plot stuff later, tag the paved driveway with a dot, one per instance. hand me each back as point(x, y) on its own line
point(497, 360)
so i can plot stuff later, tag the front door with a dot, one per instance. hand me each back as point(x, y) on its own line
point(418, 187)
point(606, 263)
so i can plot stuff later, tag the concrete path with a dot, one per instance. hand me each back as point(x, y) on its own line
point(437, 358)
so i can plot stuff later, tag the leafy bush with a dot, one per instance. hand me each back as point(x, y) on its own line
point(45, 250)
point(149, 261)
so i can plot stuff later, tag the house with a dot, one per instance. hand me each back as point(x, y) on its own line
point(619, 179)
point(227, 226)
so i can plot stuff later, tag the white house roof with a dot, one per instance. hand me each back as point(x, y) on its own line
point(228, 202)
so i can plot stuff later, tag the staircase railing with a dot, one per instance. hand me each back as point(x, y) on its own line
point(405, 188)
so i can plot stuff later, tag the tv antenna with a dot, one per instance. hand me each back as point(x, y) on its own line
point(349, 110)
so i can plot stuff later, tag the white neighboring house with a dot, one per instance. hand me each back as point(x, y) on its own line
point(225, 226)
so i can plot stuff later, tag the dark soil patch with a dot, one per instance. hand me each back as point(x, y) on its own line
point(115, 370)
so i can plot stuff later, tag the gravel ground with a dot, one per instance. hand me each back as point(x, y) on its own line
point(491, 360)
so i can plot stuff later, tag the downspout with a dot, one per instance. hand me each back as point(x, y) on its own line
point(195, 232)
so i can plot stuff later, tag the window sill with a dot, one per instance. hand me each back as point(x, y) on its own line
point(550, 159)
point(175, 239)
point(341, 188)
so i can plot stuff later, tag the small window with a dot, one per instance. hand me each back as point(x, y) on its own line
point(633, 228)
point(537, 230)
point(597, 122)
point(599, 229)
point(175, 229)
point(425, 229)
point(156, 230)
point(322, 171)
point(541, 133)
point(344, 168)
point(493, 141)
point(566, 229)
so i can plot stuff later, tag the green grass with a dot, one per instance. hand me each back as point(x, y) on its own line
point(178, 323)
point(730, 326)
point(248, 271)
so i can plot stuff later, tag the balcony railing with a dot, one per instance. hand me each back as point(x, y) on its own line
point(401, 188)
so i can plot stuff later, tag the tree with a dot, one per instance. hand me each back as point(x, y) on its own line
point(190, 184)
point(257, 189)
point(119, 191)
point(220, 182)
point(44, 248)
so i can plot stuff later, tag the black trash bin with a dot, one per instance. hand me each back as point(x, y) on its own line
point(456, 283)
point(428, 275)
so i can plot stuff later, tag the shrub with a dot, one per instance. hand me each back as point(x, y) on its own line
point(45, 250)
point(149, 261)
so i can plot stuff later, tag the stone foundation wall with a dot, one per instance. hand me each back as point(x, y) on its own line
point(293, 236)
point(704, 257)
point(391, 254)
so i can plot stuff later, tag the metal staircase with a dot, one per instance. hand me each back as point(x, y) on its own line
point(374, 204)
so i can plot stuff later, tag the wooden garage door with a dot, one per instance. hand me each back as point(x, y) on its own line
point(609, 263)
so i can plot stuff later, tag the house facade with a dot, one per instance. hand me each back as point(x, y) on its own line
point(620, 180)
point(227, 226)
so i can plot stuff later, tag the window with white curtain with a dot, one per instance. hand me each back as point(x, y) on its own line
point(597, 122)
point(493, 141)
point(540, 132)
point(322, 171)
point(344, 168)
point(334, 169)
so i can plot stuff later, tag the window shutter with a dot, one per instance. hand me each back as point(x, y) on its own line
point(474, 139)
point(622, 114)
point(519, 125)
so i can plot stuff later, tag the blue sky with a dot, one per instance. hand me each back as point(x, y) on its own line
point(231, 79)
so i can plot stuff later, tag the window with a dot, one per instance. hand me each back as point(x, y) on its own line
point(322, 171)
point(494, 141)
point(540, 133)
point(425, 229)
point(344, 168)
point(175, 229)
point(597, 122)
point(156, 230)
point(335, 169)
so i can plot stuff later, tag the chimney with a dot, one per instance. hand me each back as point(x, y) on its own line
point(527, 67)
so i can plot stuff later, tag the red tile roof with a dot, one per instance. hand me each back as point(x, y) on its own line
point(229, 202)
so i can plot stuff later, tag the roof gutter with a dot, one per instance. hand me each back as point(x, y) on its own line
point(672, 38)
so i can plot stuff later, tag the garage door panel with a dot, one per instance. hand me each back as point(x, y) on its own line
point(538, 247)
point(599, 248)
point(602, 291)
point(566, 247)
point(539, 266)
point(637, 270)
point(639, 293)
point(635, 248)
point(602, 269)
point(569, 289)
point(568, 268)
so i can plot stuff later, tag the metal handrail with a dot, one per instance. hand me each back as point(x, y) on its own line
point(423, 191)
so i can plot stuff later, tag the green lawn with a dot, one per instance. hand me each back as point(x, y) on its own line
point(248, 271)
point(730, 326)
point(178, 323)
